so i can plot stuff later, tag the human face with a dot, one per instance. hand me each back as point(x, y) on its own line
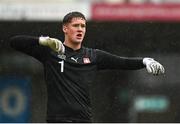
point(75, 31)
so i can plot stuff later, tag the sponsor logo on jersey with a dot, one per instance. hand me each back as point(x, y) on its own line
point(86, 60)
point(61, 56)
point(74, 59)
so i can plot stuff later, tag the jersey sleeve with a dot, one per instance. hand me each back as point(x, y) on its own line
point(107, 60)
point(29, 45)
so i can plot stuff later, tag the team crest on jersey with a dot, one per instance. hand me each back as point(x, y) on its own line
point(86, 60)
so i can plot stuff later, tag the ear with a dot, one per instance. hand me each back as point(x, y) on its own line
point(64, 28)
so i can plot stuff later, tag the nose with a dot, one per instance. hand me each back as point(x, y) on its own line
point(80, 28)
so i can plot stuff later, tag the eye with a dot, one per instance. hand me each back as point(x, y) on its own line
point(83, 25)
point(76, 25)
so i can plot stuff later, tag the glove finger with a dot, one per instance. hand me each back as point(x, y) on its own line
point(54, 44)
point(149, 69)
point(153, 69)
point(61, 47)
point(160, 69)
point(156, 69)
point(57, 45)
point(163, 70)
point(153, 66)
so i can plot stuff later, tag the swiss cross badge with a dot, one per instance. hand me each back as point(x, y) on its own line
point(86, 60)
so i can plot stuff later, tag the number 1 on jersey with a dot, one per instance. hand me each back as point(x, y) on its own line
point(62, 65)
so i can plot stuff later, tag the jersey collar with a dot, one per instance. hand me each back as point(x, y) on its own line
point(71, 50)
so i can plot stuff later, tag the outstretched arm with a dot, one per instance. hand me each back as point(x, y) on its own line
point(37, 47)
point(106, 60)
point(27, 44)
point(23, 41)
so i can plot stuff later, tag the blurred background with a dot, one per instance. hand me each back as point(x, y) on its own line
point(145, 28)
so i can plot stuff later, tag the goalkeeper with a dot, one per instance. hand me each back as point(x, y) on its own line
point(70, 67)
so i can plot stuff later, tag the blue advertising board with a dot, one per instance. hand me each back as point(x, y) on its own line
point(15, 98)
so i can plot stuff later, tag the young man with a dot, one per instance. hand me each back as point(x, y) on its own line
point(70, 68)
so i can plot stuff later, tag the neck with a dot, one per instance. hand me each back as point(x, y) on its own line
point(74, 46)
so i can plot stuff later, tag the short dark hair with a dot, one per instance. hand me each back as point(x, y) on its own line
point(68, 17)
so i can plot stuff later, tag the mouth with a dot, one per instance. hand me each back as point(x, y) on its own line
point(79, 35)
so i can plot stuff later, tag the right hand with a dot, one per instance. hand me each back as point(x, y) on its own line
point(53, 43)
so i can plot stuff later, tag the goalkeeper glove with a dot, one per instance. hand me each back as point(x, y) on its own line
point(53, 43)
point(153, 66)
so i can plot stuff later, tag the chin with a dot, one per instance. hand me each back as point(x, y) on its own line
point(78, 41)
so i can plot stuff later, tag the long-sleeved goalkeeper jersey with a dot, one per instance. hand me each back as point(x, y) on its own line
point(69, 76)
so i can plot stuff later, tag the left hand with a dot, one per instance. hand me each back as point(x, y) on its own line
point(153, 66)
